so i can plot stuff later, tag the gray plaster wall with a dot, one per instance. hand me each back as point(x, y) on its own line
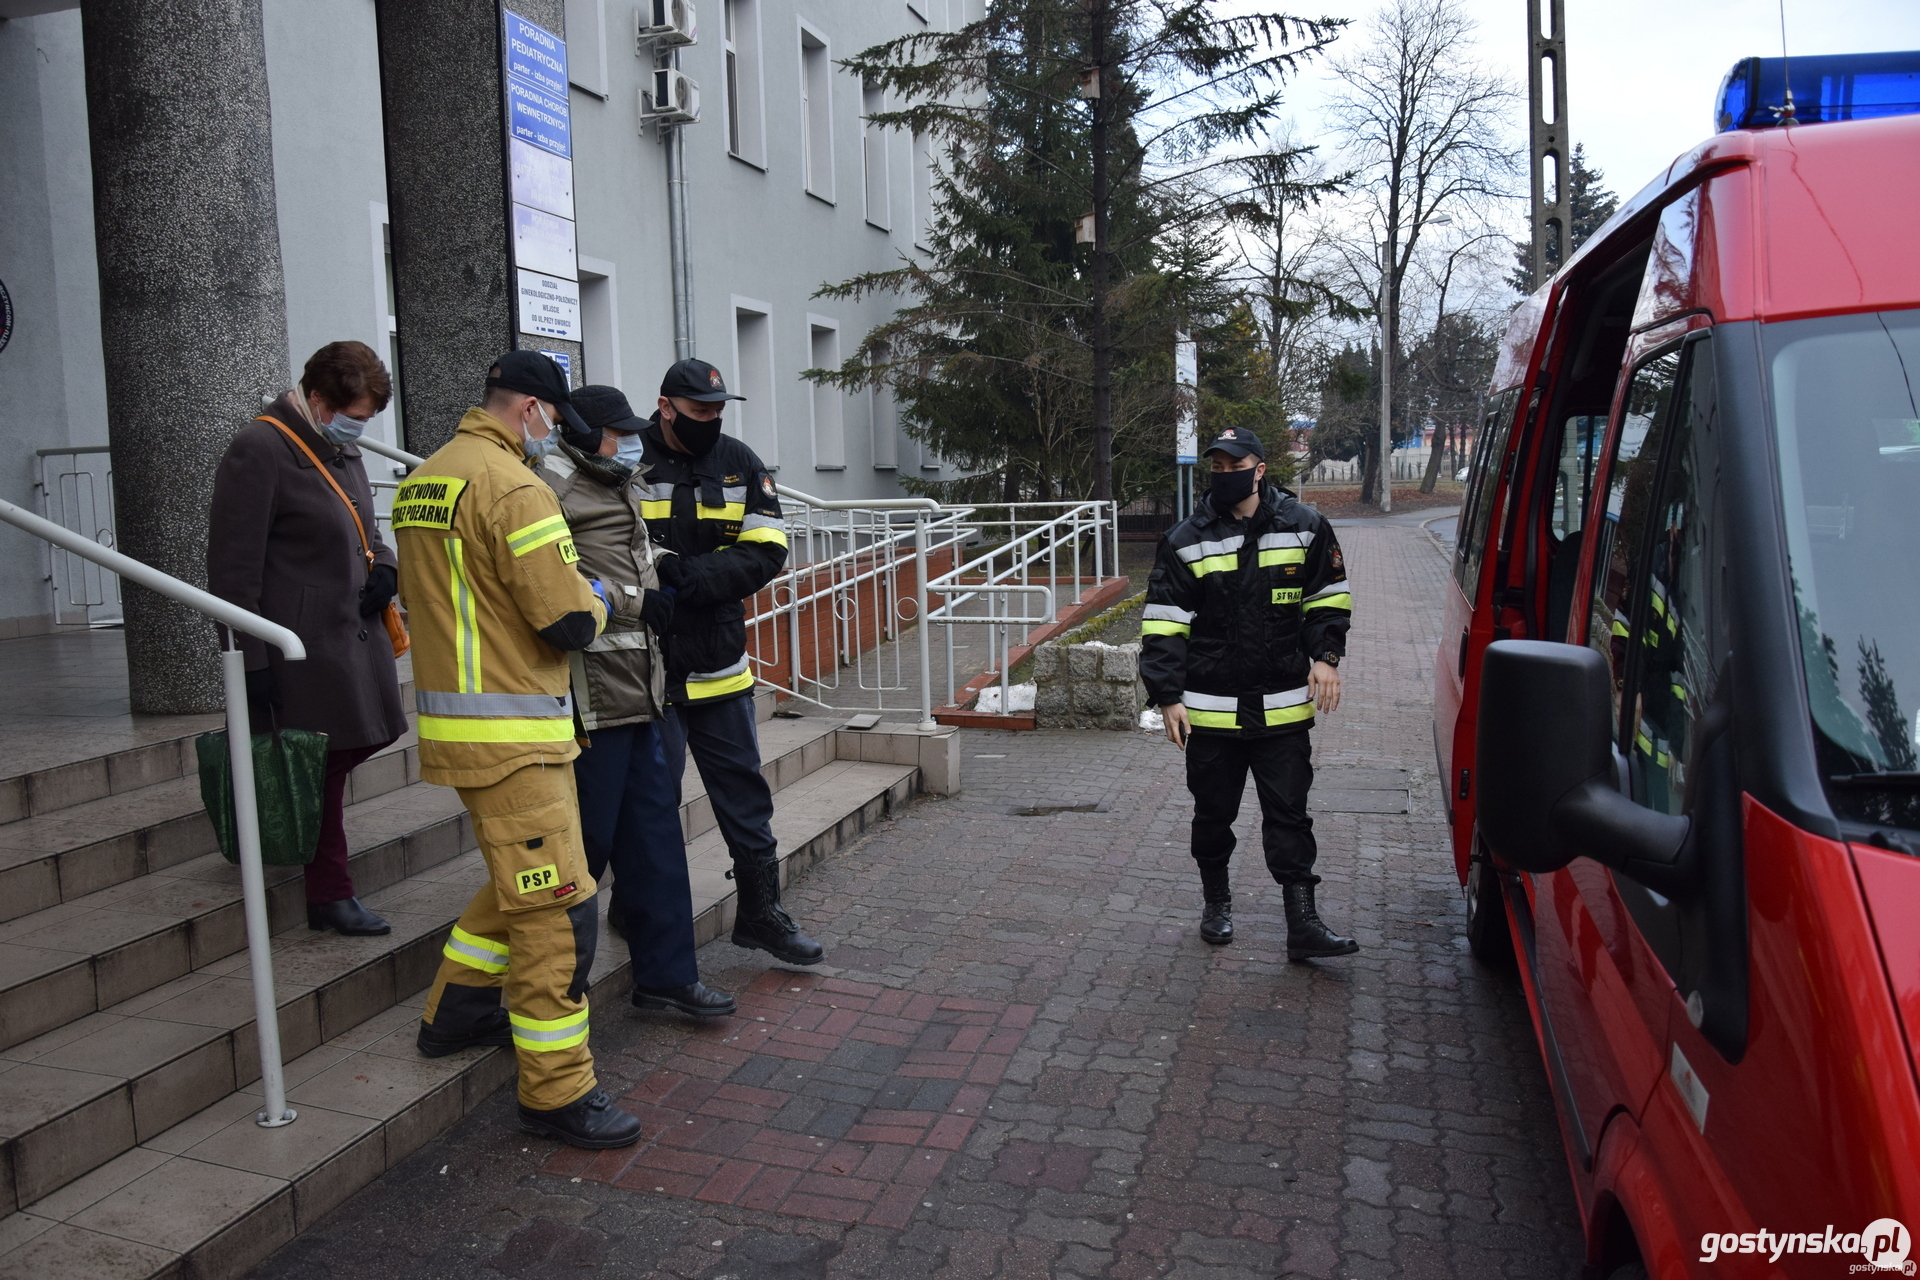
point(54, 392)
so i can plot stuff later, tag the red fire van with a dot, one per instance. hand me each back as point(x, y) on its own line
point(1677, 700)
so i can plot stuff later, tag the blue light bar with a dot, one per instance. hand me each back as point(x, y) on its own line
point(1846, 86)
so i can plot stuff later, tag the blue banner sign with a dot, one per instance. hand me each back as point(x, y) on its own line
point(536, 83)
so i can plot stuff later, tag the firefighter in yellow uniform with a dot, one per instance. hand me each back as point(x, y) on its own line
point(495, 601)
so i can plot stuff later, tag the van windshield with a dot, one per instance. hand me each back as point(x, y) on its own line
point(1848, 418)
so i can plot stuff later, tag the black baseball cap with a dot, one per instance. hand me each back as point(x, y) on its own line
point(603, 406)
point(1236, 442)
point(696, 380)
point(533, 374)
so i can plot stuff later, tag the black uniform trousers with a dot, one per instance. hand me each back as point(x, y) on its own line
point(1282, 767)
point(630, 819)
point(725, 745)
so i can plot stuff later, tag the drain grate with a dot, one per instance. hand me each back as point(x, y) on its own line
point(1047, 810)
point(1344, 789)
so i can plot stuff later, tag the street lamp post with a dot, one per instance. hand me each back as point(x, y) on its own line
point(1384, 470)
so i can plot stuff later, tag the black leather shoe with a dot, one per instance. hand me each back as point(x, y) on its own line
point(592, 1122)
point(346, 916)
point(1216, 923)
point(699, 1000)
point(435, 1043)
point(772, 930)
point(1308, 937)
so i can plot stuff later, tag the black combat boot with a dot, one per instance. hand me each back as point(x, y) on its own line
point(1308, 937)
point(698, 1000)
point(761, 923)
point(592, 1122)
point(1216, 922)
point(346, 916)
point(465, 1017)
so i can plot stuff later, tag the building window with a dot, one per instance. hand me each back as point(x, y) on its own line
point(816, 114)
point(922, 213)
point(873, 146)
point(754, 419)
point(746, 120)
point(829, 425)
point(599, 322)
point(886, 421)
point(586, 37)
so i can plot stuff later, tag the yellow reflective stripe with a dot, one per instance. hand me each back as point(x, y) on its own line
point(545, 729)
point(466, 635)
point(776, 536)
point(537, 535)
point(1166, 629)
point(1619, 628)
point(1214, 719)
point(1284, 555)
point(537, 1036)
point(656, 510)
point(1214, 564)
point(730, 511)
point(698, 690)
point(1290, 715)
point(1342, 600)
point(475, 952)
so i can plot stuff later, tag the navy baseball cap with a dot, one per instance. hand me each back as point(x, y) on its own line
point(696, 380)
point(1236, 442)
point(533, 374)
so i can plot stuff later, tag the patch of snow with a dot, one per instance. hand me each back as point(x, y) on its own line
point(1019, 698)
point(1152, 721)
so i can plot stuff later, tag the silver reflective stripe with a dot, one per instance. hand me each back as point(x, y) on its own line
point(1290, 698)
point(1201, 550)
point(610, 641)
point(513, 705)
point(721, 674)
point(752, 521)
point(539, 1035)
point(1268, 541)
point(481, 959)
point(735, 493)
point(1209, 702)
point(1333, 589)
point(1166, 613)
point(661, 492)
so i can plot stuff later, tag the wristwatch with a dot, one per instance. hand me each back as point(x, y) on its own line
point(1331, 658)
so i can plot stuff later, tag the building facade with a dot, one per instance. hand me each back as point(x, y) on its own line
point(199, 193)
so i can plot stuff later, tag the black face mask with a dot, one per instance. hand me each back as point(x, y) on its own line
point(698, 437)
point(1231, 488)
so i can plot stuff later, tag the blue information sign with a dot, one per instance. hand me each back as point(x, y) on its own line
point(536, 66)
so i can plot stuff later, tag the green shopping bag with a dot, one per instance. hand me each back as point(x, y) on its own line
point(289, 781)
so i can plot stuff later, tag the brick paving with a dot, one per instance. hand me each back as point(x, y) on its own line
point(1071, 1084)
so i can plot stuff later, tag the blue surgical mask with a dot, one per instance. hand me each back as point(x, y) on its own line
point(538, 449)
point(628, 447)
point(343, 430)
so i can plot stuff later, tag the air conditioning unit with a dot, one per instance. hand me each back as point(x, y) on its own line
point(664, 22)
point(673, 99)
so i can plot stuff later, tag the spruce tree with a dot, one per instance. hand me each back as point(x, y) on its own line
point(1590, 204)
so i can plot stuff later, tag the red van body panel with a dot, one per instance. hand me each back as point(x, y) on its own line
point(1817, 1123)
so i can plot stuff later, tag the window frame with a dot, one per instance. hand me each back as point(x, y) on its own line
point(827, 403)
point(874, 143)
point(816, 113)
point(744, 92)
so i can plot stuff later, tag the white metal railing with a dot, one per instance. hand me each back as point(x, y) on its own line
point(253, 885)
point(77, 495)
point(1038, 553)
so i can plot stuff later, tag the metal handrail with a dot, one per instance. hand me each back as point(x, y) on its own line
point(860, 504)
point(246, 813)
point(386, 450)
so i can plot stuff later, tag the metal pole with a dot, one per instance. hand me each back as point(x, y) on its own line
point(677, 239)
point(253, 891)
point(921, 624)
point(1547, 56)
point(1385, 468)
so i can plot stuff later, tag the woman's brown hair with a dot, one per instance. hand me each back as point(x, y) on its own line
point(340, 373)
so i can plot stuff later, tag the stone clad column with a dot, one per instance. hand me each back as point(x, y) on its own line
point(193, 310)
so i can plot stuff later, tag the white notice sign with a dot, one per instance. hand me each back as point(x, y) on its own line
point(543, 243)
point(549, 306)
point(1186, 380)
point(542, 179)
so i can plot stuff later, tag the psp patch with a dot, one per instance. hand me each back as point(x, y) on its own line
point(534, 879)
point(1286, 595)
point(567, 554)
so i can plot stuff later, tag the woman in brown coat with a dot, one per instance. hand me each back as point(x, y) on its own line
point(284, 545)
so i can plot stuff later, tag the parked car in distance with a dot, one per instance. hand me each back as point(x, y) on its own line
point(1676, 697)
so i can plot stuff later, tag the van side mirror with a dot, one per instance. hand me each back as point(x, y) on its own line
point(1544, 765)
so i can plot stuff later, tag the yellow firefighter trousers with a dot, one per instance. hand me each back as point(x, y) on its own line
point(531, 932)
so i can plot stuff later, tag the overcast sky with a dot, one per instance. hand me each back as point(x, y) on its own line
point(1641, 74)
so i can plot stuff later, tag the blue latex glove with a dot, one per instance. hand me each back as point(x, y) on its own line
point(602, 593)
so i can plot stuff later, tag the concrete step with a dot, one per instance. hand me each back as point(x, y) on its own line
point(177, 908)
point(129, 1135)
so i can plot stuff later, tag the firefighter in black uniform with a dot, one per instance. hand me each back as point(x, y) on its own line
point(1245, 624)
point(712, 503)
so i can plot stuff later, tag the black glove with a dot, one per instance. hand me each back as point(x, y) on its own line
point(381, 585)
point(656, 610)
point(673, 574)
point(263, 695)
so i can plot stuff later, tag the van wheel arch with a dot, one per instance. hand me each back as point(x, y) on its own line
point(1489, 936)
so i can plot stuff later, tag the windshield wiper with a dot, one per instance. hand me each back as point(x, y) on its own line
point(1891, 778)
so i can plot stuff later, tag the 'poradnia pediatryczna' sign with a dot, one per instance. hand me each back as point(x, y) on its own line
point(540, 146)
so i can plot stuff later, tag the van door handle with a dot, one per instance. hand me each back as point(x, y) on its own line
point(1463, 655)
